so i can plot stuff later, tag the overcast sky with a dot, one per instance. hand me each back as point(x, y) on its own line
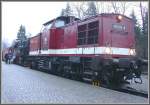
point(30, 14)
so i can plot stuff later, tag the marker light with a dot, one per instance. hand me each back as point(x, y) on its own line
point(132, 52)
point(108, 50)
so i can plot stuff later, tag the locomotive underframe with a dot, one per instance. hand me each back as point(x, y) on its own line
point(108, 71)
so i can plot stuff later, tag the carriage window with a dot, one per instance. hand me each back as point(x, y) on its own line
point(118, 27)
point(59, 23)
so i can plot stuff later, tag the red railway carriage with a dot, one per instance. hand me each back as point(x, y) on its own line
point(100, 47)
point(35, 44)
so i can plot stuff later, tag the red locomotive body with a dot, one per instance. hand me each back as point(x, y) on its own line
point(88, 37)
point(89, 47)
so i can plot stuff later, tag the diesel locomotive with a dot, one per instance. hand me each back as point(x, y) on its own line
point(99, 48)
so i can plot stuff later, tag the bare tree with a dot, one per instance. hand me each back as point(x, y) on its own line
point(144, 16)
point(119, 7)
point(123, 7)
point(79, 9)
point(91, 9)
point(143, 12)
point(115, 7)
point(108, 8)
point(103, 7)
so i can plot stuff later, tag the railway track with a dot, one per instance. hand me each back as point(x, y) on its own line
point(126, 89)
point(133, 91)
point(129, 90)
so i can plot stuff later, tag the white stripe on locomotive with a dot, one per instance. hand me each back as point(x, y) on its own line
point(86, 50)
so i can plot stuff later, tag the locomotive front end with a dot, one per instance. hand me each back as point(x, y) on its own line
point(119, 60)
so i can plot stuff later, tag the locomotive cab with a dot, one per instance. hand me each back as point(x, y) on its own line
point(60, 21)
point(64, 20)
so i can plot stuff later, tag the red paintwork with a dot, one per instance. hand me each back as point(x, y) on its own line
point(116, 39)
point(35, 43)
point(70, 39)
point(66, 37)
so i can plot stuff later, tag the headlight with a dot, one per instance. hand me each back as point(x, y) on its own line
point(119, 17)
point(132, 52)
point(108, 50)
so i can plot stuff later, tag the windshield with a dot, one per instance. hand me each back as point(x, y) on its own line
point(118, 27)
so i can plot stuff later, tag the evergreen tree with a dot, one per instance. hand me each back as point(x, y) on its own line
point(68, 11)
point(138, 33)
point(22, 45)
point(21, 37)
point(137, 28)
point(62, 12)
point(91, 10)
point(145, 35)
point(145, 25)
point(141, 36)
point(21, 33)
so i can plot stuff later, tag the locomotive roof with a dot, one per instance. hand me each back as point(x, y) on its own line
point(35, 35)
point(105, 14)
point(61, 17)
point(102, 14)
point(48, 22)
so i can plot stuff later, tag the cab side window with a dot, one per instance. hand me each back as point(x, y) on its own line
point(59, 23)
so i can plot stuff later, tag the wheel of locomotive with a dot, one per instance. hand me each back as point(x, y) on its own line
point(118, 78)
point(107, 76)
point(33, 65)
point(74, 72)
point(59, 69)
point(96, 67)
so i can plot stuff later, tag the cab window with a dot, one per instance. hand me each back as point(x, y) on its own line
point(118, 27)
point(48, 26)
point(59, 23)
